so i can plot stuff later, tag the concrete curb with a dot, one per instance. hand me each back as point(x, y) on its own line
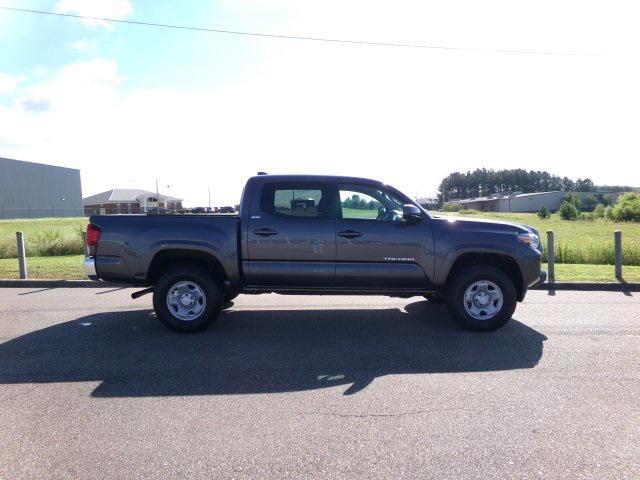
point(589, 286)
point(579, 286)
point(56, 284)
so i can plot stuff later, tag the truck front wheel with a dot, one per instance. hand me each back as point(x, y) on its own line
point(187, 299)
point(481, 298)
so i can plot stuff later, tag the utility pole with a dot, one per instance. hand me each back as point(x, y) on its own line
point(209, 191)
point(157, 199)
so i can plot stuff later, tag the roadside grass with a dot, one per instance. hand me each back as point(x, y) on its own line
point(569, 272)
point(43, 236)
point(67, 267)
point(579, 241)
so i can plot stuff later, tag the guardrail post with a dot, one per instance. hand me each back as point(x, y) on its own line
point(22, 259)
point(617, 237)
point(551, 258)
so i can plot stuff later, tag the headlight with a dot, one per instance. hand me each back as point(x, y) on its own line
point(530, 239)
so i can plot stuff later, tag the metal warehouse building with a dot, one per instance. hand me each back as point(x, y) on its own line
point(525, 202)
point(34, 190)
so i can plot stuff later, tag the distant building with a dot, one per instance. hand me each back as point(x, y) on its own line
point(35, 190)
point(525, 202)
point(128, 200)
point(428, 203)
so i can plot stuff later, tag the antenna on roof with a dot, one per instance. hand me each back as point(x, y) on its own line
point(262, 173)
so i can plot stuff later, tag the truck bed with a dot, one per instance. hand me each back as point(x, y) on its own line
point(130, 243)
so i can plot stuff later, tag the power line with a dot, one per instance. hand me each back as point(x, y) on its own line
point(297, 37)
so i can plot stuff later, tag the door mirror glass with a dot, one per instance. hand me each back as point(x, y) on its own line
point(411, 213)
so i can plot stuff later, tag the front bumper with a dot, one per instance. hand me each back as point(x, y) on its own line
point(90, 268)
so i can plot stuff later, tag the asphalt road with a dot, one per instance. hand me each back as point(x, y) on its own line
point(318, 387)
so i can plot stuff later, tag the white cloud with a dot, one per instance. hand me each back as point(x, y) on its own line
point(114, 9)
point(85, 46)
point(7, 83)
point(405, 118)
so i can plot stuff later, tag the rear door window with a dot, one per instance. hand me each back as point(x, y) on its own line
point(294, 200)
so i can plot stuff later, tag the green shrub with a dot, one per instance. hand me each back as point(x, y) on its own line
point(8, 249)
point(543, 213)
point(627, 208)
point(568, 211)
point(598, 212)
point(572, 198)
point(586, 216)
point(80, 231)
point(590, 203)
point(608, 213)
point(468, 211)
point(595, 254)
point(452, 207)
point(52, 243)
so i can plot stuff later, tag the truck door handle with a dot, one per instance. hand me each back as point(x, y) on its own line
point(265, 232)
point(349, 234)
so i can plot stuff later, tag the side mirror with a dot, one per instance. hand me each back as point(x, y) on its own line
point(411, 213)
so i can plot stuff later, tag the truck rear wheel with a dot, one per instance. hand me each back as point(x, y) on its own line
point(481, 298)
point(187, 299)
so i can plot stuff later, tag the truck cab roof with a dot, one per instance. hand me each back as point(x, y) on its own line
point(312, 178)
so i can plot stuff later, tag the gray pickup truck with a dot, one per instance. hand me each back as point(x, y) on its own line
point(302, 234)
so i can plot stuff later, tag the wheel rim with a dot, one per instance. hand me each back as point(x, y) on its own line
point(186, 300)
point(483, 300)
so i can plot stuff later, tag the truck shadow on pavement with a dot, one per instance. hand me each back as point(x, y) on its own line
point(261, 351)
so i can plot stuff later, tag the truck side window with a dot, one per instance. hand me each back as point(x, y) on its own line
point(290, 201)
point(366, 203)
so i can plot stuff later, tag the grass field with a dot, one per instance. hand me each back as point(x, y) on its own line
point(580, 231)
point(571, 272)
point(580, 241)
point(577, 236)
point(357, 213)
point(43, 236)
point(68, 267)
point(67, 226)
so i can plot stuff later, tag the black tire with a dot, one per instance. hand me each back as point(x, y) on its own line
point(465, 278)
point(434, 297)
point(209, 288)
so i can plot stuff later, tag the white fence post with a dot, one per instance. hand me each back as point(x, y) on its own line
point(22, 259)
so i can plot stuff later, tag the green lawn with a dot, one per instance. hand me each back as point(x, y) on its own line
point(579, 231)
point(579, 241)
point(357, 213)
point(66, 267)
point(67, 226)
point(570, 272)
point(43, 236)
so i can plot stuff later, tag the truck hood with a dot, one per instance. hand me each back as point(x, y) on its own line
point(484, 224)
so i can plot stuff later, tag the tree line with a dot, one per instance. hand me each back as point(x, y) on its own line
point(359, 203)
point(482, 182)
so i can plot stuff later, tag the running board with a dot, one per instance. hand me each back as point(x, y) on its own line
point(404, 293)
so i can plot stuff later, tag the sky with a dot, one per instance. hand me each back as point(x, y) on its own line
point(130, 104)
